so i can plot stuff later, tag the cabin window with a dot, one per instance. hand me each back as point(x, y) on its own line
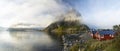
point(102, 36)
point(110, 35)
point(91, 34)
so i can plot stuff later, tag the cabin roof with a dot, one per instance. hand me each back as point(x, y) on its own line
point(104, 32)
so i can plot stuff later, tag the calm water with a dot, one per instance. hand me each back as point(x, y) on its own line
point(28, 41)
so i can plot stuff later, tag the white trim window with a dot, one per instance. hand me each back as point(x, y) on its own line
point(112, 36)
point(102, 36)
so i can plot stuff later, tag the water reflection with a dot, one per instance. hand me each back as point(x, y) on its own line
point(27, 41)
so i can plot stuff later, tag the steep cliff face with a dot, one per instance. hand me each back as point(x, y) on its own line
point(70, 22)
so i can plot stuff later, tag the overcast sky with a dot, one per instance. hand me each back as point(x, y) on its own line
point(41, 12)
point(98, 13)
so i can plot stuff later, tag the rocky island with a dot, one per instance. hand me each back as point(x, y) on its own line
point(69, 23)
point(70, 29)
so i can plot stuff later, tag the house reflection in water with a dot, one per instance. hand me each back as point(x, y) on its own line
point(103, 34)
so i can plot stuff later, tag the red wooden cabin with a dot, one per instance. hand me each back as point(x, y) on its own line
point(103, 34)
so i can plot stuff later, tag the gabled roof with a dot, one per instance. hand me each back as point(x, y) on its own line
point(106, 32)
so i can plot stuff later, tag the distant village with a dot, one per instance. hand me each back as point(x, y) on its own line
point(102, 34)
point(81, 38)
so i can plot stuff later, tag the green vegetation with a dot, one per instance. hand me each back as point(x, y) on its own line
point(68, 23)
point(109, 45)
point(75, 47)
point(67, 26)
point(116, 27)
point(96, 45)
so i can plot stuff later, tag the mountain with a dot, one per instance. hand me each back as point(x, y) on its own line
point(24, 27)
point(70, 22)
point(2, 28)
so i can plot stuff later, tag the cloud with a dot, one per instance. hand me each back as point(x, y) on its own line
point(40, 12)
point(100, 13)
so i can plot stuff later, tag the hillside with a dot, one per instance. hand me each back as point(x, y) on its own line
point(70, 22)
point(108, 45)
point(66, 26)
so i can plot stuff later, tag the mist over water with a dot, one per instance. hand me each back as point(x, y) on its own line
point(27, 41)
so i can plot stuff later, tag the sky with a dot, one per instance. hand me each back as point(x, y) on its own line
point(40, 12)
point(95, 13)
point(98, 13)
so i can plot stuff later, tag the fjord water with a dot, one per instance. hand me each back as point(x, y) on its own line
point(28, 41)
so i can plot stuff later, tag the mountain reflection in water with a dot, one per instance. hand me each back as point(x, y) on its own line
point(27, 41)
